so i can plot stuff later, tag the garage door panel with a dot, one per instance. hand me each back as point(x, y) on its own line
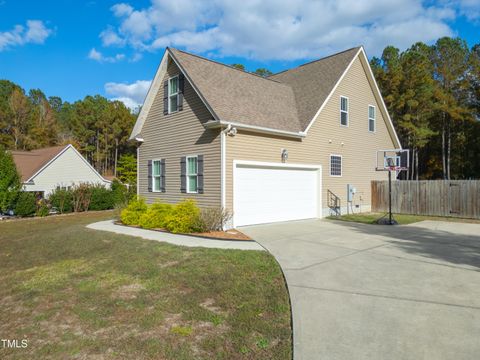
point(269, 194)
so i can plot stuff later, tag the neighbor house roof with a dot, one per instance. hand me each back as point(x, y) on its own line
point(28, 163)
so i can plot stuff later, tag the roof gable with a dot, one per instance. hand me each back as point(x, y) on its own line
point(239, 96)
point(28, 163)
point(313, 82)
point(285, 103)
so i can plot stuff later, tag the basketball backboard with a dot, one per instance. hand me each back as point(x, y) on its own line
point(392, 160)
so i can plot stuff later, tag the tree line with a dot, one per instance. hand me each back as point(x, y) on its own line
point(99, 128)
point(433, 96)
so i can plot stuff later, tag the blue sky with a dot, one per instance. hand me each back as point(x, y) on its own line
point(76, 48)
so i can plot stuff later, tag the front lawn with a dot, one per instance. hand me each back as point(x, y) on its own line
point(73, 292)
point(402, 219)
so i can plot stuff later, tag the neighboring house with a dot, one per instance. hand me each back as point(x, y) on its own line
point(269, 149)
point(43, 170)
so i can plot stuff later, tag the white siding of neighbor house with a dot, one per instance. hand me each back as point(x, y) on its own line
point(68, 169)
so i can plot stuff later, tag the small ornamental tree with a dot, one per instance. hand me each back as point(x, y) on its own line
point(127, 169)
point(9, 181)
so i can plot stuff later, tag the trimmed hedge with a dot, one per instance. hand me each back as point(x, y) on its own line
point(133, 212)
point(185, 217)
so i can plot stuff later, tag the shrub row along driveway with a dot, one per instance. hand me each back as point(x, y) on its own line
point(378, 292)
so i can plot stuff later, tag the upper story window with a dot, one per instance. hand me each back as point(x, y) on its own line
point(371, 118)
point(156, 175)
point(343, 111)
point(173, 94)
point(192, 174)
point(335, 165)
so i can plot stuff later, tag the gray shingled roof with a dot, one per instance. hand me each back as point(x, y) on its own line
point(285, 101)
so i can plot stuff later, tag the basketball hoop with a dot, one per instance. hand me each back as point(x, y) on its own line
point(391, 160)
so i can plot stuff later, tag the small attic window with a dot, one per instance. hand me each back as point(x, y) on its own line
point(173, 94)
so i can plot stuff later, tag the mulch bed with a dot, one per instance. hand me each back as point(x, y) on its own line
point(229, 235)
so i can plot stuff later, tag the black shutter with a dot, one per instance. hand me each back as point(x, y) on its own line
point(165, 97)
point(149, 175)
point(183, 174)
point(200, 174)
point(162, 176)
point(181, 85)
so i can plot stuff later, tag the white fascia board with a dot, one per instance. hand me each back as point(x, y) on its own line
point(260, 129)
point(156, 86)
point(382, 102)
point(333, 90)
point(152, 91)
point(30, 179)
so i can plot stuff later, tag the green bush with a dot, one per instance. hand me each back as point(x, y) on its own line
point(154, 217)
point(42, 209)
point(102, 198)
point(62, 200)
point(184, 218)
point(134, 210)
point(10, 184)
point(121, 194)
point(26, 204)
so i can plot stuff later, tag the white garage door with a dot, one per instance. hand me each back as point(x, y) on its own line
point(271, 193)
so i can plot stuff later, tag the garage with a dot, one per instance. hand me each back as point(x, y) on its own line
point(272, 192)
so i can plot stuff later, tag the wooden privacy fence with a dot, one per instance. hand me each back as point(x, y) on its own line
point(457, 198)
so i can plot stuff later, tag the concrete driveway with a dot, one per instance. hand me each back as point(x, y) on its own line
point(380, 292)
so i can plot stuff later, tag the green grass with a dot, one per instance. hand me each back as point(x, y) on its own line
point(402, 219)
point(75, 292)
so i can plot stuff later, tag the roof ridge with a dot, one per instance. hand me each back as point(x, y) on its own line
point(228, 66)
point(317, 60)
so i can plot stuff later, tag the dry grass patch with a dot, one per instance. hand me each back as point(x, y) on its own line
point(78, 293)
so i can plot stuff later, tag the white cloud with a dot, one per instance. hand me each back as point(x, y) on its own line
point(98, 56)
point(110, 38)
point(121, 9)
point(35, 32)
point(286, 30)
point(132, 95)
point(470, 9)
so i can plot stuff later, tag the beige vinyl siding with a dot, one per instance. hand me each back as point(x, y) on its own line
point(175, 135)
point(354, 143)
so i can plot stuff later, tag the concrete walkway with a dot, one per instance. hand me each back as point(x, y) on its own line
point(181, 240)
point(380, 292)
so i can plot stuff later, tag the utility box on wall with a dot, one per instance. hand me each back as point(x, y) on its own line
point(351, 191)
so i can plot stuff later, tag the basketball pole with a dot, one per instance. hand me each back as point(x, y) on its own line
point(390, 196)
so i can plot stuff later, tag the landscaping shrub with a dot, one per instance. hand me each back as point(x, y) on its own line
point(154, 217)
point(42, 208)
point(26, 204)
point(134, 210)
point(62, 200)
point(101, 198)
point(184, 218)
point(214, 219)
point(81, 197)
point(121, 193)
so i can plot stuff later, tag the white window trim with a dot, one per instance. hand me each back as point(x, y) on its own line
point(330, 165)
point(170, 95)
point(187, 175)
point(156, 176)
point(374, 118)
point(343, 111)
